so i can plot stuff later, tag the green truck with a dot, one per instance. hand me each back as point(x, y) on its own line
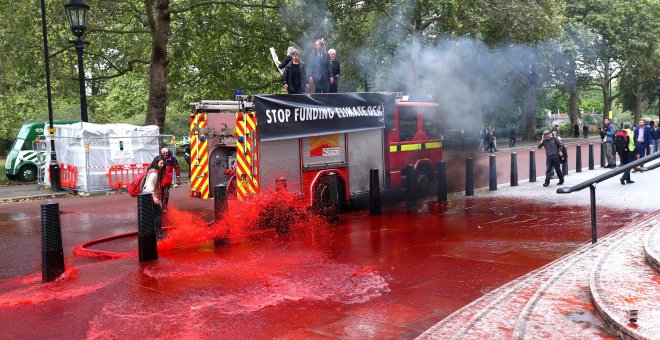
point(23, 161)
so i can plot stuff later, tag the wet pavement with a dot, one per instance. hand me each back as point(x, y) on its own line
point(389, 276)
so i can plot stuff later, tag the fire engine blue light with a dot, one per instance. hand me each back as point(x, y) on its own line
point(239, 92)
point(202, 139)
point(241, 139)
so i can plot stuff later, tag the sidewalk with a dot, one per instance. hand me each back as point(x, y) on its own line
point(503, 145)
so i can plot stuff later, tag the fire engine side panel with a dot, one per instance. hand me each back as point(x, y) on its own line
point(365, 152)
point(279, 158)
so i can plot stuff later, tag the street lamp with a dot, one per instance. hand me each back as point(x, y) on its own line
point(53, 167)
point(76, 12)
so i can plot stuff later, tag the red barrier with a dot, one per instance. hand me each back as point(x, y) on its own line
point(68, 176)
point(120, 175)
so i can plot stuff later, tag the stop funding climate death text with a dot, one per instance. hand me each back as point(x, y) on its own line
point(301, 114)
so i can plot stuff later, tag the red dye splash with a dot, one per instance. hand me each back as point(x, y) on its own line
point(264, 215)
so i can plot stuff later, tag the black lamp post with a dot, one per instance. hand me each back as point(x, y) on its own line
point(76, 12)
point(54, 168)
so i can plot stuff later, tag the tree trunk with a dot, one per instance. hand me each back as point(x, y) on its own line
point(159, 24)
point(637, 92)
point(531, 103)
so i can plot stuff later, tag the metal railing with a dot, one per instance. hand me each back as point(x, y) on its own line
point(603, 177)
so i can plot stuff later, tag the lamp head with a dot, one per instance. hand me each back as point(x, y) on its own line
point(76, 13)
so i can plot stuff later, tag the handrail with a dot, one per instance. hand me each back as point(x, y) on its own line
point(611, 174)
point(602, 177)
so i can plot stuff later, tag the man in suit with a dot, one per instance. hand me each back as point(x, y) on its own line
point(319, 68)
point(335, 70)
point(642, 137)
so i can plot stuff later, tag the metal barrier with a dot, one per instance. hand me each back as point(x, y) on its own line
point(68, 176)
point(119, 176)
point(602, 177)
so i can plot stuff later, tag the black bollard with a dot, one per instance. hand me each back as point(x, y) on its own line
point(514, 169)
point(578, 158)
point(52, 254)
point(591, 156)
point(492, 173)
point(564, 167)
point(374, 192)
point(147, 243)
point(411, 188)
point(532, 165)
point(442, 182)
point(469, 177)
point(219, 200)
point(602, 155)
point(55, 183)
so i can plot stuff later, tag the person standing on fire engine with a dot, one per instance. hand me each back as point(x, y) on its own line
point(335, 70)
point(319, 69)
point(294, 76)
point(152, 185)
point(287, 60)
point(171, 164)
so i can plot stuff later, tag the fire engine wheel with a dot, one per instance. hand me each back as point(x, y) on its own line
point(423, 179)
point(28, 173)
point(323, 200)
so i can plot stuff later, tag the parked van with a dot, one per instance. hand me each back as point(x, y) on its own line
point(22, 161)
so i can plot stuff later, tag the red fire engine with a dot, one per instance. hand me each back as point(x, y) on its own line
point(309, 143)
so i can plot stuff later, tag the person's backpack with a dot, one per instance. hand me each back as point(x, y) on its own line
point(135, 187)
point(621, 141)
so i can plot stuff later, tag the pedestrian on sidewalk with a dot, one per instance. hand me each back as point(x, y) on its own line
point(585, 130)
point(513, 136)
point(655, 137)
point(171, 165)
point(608, 132)
point(553, 157)
point(627, 152)
point(576, 130)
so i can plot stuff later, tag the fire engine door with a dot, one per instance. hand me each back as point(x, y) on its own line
point(220, 160)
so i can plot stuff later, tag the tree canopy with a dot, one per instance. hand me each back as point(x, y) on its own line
point(494, 61)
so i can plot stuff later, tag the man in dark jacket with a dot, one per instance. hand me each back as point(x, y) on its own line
point(335, 70)
point(319, 68)
point(294, 77)
point(553, 157)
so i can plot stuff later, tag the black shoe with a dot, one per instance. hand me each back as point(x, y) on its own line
point(623, 182)
point(629, 181)
point(560, 182)
point(546, 184)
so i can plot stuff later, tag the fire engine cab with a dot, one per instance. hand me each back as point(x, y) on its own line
point(313, 144)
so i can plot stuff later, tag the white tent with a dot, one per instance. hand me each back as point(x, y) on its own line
point(95, 148)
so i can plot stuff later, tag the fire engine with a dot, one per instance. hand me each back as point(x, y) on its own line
point(314, 143)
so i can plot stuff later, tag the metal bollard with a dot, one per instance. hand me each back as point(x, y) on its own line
point(52, 254)
point(532, 165)
point(492, 173)
point(411, 190)
point(591, 156)
point(55, 184)
point(469, 177)
point(564, 168)
point(374, 192)
point(514, 169)
point(147, 243)
point(578, 158)
point(219, 201)
point(602, 155)
point(442, 181)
